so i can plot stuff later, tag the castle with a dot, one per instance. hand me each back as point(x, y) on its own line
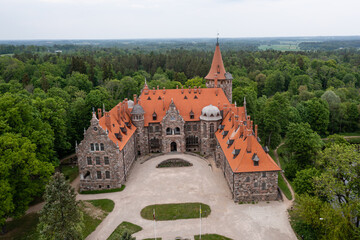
point(180, 120)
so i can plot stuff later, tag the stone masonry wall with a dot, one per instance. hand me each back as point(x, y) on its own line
point(208, 144)
point(193, 129)
point(89, 170)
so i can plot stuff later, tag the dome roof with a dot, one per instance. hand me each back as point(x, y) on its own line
point(210, 113)
point(130, 104)
point(137, 109)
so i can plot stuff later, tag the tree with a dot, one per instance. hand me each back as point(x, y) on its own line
point(22, 176)
point(317, 115)
point(275, 82)
point(334, 106)
point(303, 143)
point(304, 181)
point(126, 236)
point(60, 217)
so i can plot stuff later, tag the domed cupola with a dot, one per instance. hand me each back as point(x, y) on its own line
point(137, 109)
point(210, 113)
point(130, 104)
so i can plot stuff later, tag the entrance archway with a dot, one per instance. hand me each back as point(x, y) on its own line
point(173, 147)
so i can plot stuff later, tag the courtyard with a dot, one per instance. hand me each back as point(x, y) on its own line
point(201, 182)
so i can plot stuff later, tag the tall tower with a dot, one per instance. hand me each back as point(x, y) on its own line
point(218, 76)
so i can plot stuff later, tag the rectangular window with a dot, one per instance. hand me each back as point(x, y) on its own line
point(264, 174)
point(97, 159)
point(98, 173)
point(106, 160)
point(263, 186)
point(256, 163)
point(255, 184)
point(92, 147)
point(195, 128)
point(102, 147)
point(97, 147)
point(89, 162)
point(107, 174)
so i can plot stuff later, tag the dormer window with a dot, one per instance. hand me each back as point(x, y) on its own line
point(256, 159)
point(235, 152)
point(154, 116)
point(191, 115)
point(230, 142)
point(224, 133)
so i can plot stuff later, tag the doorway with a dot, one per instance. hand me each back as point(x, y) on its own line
point(173, 147)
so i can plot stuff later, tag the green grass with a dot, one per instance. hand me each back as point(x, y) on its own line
point(350, 134)
point(353, 140)
point(283, 186)
point(174, 163)
point(175, 211)
point(124, 226)
point(211, 237)
point(106, 205)
point(22, 228)
point(70, 172)
point(104, 191)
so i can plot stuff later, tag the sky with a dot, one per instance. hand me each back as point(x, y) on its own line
point(131, 19)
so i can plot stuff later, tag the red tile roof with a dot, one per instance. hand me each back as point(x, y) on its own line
point(243, 138)
point(217, 66)
point(115, 122)
point(185, 100)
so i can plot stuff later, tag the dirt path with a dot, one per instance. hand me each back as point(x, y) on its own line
point(288, 202)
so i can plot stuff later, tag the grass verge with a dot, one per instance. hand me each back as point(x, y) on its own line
point(104, 191)
point(70, 172)
point(175, 211)
point(106, 205)
point(124, 226)
point(284, 187)
point(211, 237)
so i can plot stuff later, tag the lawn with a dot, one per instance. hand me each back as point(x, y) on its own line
point(284, 187)
point(104, 191)
point(124, 226)
point(25, 227)
point(175, 211)
point(70, 172)
point(211, 237)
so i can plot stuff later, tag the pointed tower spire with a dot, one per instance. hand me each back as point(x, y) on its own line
point(217, 65)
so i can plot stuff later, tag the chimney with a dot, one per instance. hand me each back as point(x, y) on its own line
point(164, 91)
point(119, 112)
point(236, 122)
point(189, 89)
point(199, 89)
point(232, 119)
point(177, 86)
point(157, 87)
point(99, 113)
point(195, 89)
point(225, 110)
point(163, 100)
point(154, 91)
point(216, 91)
point(243, 116)
point(256, 131)
point(182, 90)
point(135, 100)
point(248, 148)
point(107, 120)
point(241, 129)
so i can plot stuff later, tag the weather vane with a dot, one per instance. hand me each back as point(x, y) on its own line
point(217, 39)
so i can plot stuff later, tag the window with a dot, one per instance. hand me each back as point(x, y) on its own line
point(204, 129)
point(195, 127)
point(96, 146)
point(154, 116)
point(106, 160)
point(89, 162)
point(256, 163)
point(247, 179)
point(172, 117)
point(154, 143)
point(107, 174)
point(150, 129)
point(191, 115)
point(168, 131)
point(188, 128)
point(192, 140)
point(212, 134)
point(263, 186)
point(98, 174)
point(177, 131)
point(264, 174)
point(102, 147)
point(92, 147)
point(97, 160)
point(255, 184)
point(157, 129)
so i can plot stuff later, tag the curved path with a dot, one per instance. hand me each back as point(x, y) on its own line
point(288, 202)
point(200, 183)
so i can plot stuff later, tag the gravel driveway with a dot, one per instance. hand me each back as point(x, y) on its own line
point(201, 182)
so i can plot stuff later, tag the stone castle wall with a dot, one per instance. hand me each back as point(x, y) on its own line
point(192, 131)
point(208, 140)
point(226, 85)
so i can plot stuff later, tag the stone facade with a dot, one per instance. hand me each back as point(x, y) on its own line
point(101, 164)
point(248, 186)
point(225, 85)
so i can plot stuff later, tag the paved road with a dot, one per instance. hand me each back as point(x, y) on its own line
point(199, 183)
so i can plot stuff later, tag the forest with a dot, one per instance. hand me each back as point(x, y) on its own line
point(297, 98)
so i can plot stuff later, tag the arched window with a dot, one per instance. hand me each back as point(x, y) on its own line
point(102, 147)
point(247, 179)
point(87, 175)
point(168, 131)
point(212, 134)
point(154, 116)
point(177, 131)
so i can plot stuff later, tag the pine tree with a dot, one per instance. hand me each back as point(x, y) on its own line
point(61, 217)
point(127, 236)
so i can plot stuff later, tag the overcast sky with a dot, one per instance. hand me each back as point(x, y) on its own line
point(123, 19)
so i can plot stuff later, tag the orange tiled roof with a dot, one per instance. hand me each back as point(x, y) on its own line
point(119, 123)
point(242, 137)
point(217, 66)
point(185, 100)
